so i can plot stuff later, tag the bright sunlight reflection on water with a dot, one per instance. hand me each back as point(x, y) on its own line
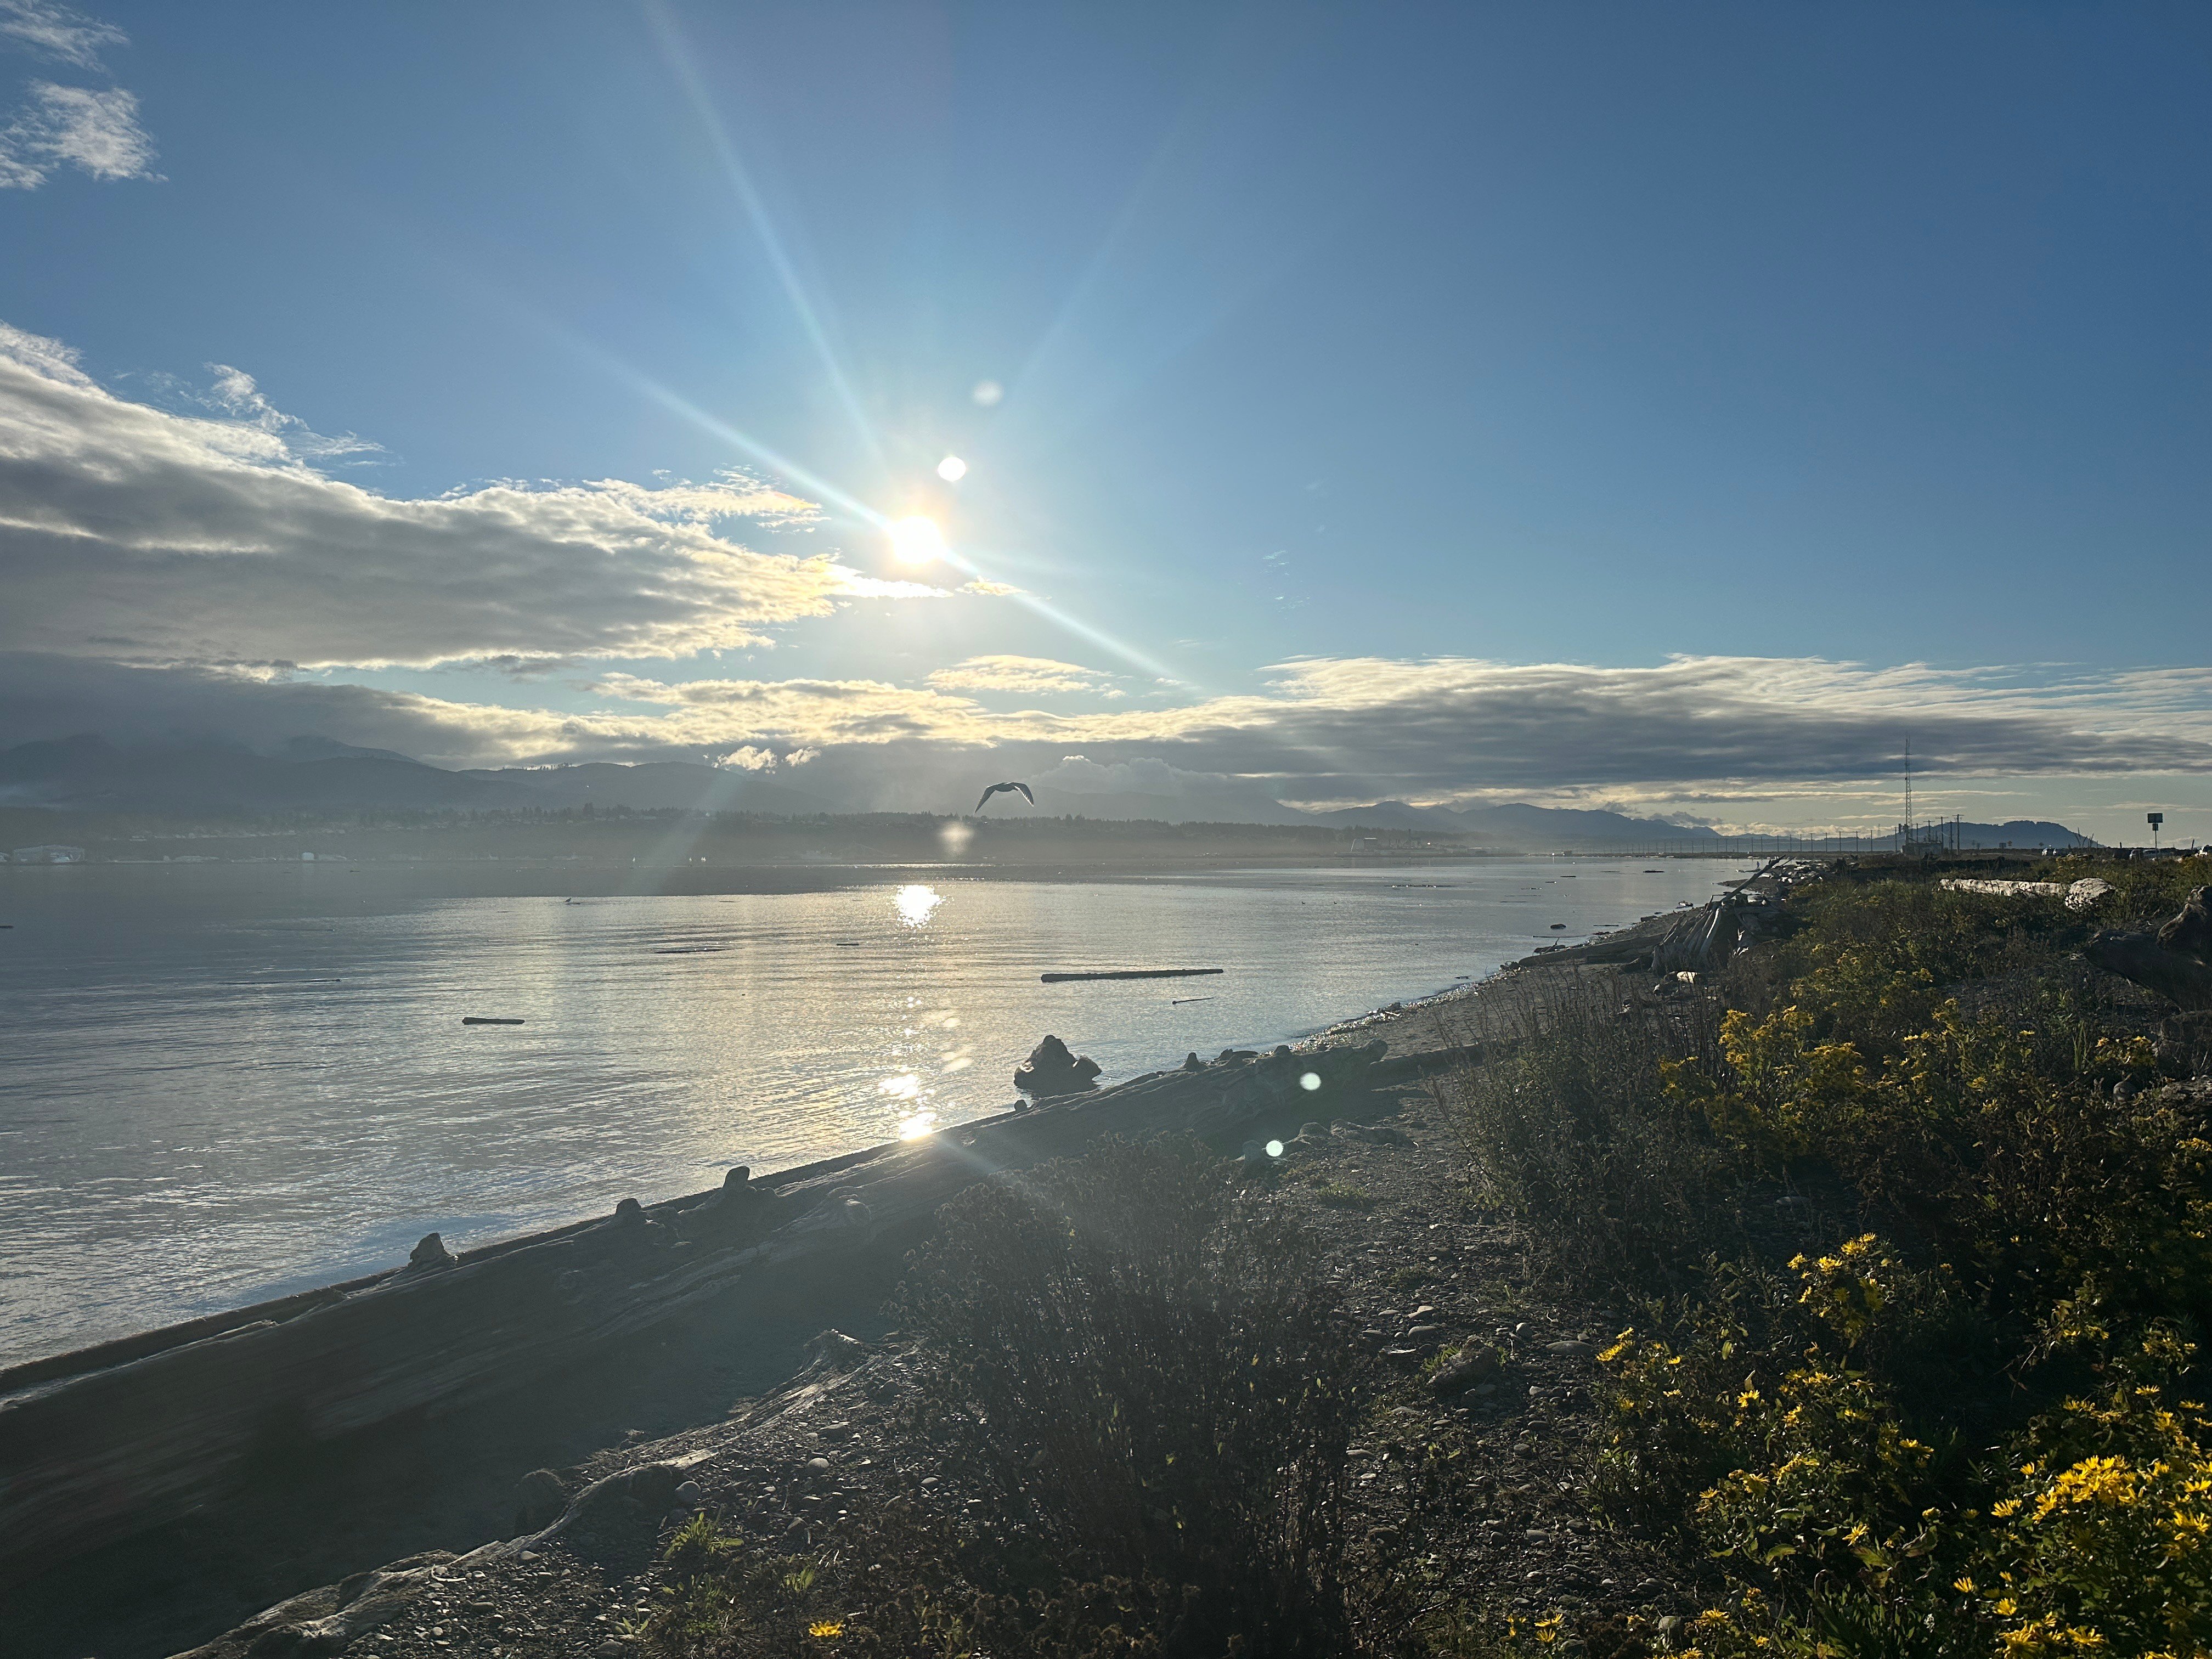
point(916, 904)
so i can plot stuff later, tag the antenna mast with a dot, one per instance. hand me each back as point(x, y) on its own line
point(1906, 838)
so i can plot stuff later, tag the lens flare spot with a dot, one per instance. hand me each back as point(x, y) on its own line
point(987, 393)
point(1275, 1149)
point(952, 468)
point(915, 1124)
point(1311, 1081)
point(917, 540)
point(916, 904)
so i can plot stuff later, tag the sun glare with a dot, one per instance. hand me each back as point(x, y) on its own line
point(917, 540)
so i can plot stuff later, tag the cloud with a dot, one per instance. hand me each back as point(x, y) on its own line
point(76, 126)
point(142, 535)
point(1025, 674)
point(235, 393)
point(58, 32)
point(989, 589)
point(1742, 730)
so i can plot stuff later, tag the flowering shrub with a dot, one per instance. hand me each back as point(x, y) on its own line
point(1948, 1070)
point(2106, 1545)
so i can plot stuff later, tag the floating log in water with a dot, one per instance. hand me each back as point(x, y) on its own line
point(485, 1019)
point(1133, 973)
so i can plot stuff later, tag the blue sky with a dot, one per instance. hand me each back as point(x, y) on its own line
point(1858, 356)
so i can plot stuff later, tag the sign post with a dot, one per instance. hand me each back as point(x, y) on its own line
point(2156, 819)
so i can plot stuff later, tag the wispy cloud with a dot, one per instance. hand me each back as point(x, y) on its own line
point(94, 130)
point(57, 32)
point(235, 393)
point(1030, 675)
point(97, 131)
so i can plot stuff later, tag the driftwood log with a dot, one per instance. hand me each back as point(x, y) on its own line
point(2175, 960)
point(108, 1441)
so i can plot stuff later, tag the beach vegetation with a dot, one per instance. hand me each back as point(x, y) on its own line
point(1964, 1413)
point(1147, 1386)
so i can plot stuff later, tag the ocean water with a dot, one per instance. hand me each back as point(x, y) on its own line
point(223, 1083)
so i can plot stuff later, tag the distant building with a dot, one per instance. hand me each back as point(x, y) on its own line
point(47, 855)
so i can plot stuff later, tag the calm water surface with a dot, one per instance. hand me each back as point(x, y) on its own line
point(218, 1083)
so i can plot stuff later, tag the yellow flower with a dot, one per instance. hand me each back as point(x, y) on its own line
point(826, 1629)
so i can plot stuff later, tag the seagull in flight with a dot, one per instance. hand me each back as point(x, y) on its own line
point(1000, 788)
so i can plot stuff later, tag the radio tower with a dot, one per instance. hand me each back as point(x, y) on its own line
point(1905, 841)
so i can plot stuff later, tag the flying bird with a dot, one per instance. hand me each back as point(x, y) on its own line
point(1000, 788)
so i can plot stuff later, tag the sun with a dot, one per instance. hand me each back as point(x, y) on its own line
point(917, 540)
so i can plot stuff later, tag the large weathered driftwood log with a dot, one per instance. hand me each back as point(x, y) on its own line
point(104, 1442)
point(2175, 961)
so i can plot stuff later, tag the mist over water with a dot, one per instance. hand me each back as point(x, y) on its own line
point(224, 1083)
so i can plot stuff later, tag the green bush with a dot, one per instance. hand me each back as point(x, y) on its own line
point(1150, 1372)
point(1572, 1133)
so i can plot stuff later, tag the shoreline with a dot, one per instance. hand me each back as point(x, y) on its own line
point(294, 1291)
point(837, 1232)
point(359, 1233)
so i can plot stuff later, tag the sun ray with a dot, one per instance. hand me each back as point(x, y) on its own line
point(678, 58)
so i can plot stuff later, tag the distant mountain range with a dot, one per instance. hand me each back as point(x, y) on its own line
point(312, 775)
point(315, 775)
point(1519, 825)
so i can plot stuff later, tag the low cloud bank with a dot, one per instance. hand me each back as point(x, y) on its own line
point(1325, 733)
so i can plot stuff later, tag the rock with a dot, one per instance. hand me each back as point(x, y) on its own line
point(1191, 1062)
point(688, 1494)
point(1406, 1359)
point(1572, 1350)
point(1475, 1365)
point(630, 1213)
point(817, 1465)
point(1282, 1051)
point(1424, 1333)
point(739, 1179)
point(431, 1254)
point(1051, 1069)
point(539, 1497)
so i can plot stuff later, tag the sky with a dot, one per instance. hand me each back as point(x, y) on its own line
point(1675, 409)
